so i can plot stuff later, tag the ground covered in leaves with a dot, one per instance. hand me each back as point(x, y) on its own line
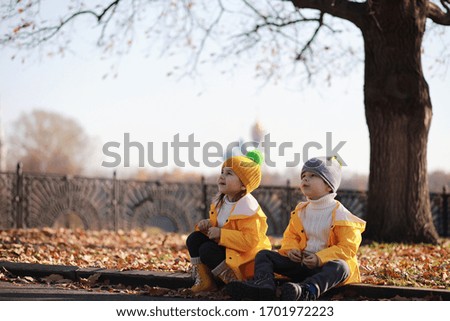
point(420, 265)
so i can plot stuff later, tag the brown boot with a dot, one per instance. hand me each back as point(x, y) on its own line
point(204, 281)
point(224, 272)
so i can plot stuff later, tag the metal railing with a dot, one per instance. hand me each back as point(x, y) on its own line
point(44, 200)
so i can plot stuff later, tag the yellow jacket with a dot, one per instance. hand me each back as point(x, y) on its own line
point(343, 241)
point(243, 235)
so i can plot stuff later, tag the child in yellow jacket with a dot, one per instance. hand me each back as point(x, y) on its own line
point(319, 246)
point(225, 245)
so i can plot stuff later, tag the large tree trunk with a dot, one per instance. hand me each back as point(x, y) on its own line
point(398, 114)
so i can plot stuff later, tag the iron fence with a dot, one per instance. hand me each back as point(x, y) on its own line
point(43, 200)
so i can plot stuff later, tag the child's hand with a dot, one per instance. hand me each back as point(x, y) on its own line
point(295, 255)
point(214, 233)
point(204, 225)
point(310, 260)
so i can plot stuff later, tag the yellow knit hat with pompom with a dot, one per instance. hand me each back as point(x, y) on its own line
point(247, 168)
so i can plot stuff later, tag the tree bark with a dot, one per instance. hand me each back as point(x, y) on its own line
point(398, 113)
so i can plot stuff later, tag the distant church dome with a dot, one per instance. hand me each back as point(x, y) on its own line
point(257, 132)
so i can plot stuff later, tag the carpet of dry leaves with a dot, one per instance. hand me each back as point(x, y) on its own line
point(420, 265)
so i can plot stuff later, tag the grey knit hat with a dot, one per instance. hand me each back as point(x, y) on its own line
point(328, 168)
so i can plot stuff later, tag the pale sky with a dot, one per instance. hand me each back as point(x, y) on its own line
point(152, 107)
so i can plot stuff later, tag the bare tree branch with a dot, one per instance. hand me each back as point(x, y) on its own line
point(278, 25)
point(290, 27)
point(105, 25)
point(352, 11)
point(207, 35)
point(436, 14)
point(445, 4)
point(79, 13)
point(46, 33)
point(310, 41)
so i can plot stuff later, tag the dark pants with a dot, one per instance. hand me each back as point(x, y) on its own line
point(209, 252)
point(323, 278)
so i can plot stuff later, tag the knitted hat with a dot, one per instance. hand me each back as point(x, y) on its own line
point(328, 168)
point(247, 168)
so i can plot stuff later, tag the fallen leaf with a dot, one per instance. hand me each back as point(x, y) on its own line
point(52, 278)
point(155, 291)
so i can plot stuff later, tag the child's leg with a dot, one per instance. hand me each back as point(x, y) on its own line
point(212, 254)
point(322, 279)
point(263, 286)
point(193, 243)
point(329, 276)
point(202, 249)
point(205, 255)
point(267, 262)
